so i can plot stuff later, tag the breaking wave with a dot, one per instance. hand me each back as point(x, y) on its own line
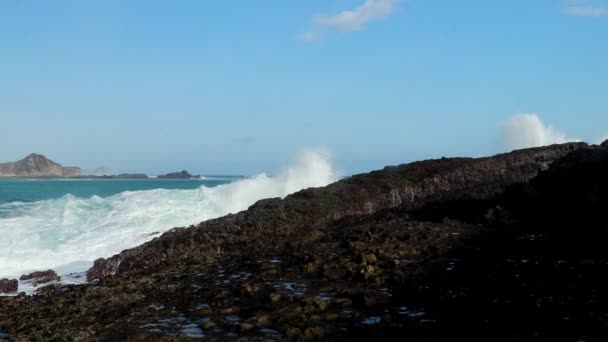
point(68, 233)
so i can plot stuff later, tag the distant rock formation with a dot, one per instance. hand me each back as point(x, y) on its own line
point(41, 277)
point(36, 165)
point(179, 175)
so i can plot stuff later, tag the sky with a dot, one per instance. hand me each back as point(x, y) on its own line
point(239, 87)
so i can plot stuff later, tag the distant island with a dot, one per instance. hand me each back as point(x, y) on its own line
point(179, 175)
point(39, 166)
point(36, 165)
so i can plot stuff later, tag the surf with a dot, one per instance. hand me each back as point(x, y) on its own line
point(67, 234)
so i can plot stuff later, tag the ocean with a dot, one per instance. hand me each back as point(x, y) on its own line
point(65, 225)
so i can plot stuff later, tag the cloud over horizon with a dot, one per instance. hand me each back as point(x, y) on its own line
point(350, 20)
point(527, 130)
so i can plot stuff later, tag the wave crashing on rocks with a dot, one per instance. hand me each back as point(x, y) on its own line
point(66, 234)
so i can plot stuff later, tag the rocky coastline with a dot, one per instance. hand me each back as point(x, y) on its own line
point(509, 247)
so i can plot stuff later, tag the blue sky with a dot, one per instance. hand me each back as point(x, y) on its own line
point(241, 86)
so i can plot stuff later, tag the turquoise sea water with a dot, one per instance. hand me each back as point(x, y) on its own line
point(67, 224)
point(32, 190)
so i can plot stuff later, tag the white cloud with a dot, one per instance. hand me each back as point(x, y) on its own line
point(355, 20)
point(350, 20)
point(586, 8)
point(586, 11)
point(527, 130)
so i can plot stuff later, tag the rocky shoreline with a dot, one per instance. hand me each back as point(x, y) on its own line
point(508, 247)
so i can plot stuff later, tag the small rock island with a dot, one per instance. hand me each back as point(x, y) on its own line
point(38, 166)
point(179, 175)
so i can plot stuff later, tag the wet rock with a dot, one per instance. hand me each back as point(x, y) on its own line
point(41, 277)
point(249, 289)
point(367, 259)
point(269, 269)
point(417, 185)
point(246, 327)
point(294, 333)
point(319, 303)
point(229, 310)
point(48, 289)
point(334, 271)
point(341, 262)
point(331, 316)
point(8, 285)
point(275, 297)
point(313, 333)
point(261, 320)
point(204, 310)
point(208, 325)
point(310, 267)
point(368, 271)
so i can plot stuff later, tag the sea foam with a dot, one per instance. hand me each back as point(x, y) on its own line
point(68, 233)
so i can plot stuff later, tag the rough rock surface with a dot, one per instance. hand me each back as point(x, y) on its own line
point(507, 248)
point(36, 165)
point(604, 144)
point(8, 285)
point(408, 186)
point(41, 277)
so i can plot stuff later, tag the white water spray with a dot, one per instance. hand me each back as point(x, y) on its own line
point(68, 233)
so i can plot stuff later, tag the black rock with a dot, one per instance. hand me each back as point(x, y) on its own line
point(509, 247)
point(41, 277)
point(8, 285)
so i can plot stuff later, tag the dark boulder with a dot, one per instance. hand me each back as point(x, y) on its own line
point(605, 143)
point(573, 192)
point(8, 285)
point(41, 277)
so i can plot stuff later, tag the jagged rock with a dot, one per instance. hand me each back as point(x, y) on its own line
point(208, 325)
point(275, 297)
point(408, 186)
point(8, 285)
point(506, 247)
point(313, 334)
point(41, 277)
point(605, 143)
